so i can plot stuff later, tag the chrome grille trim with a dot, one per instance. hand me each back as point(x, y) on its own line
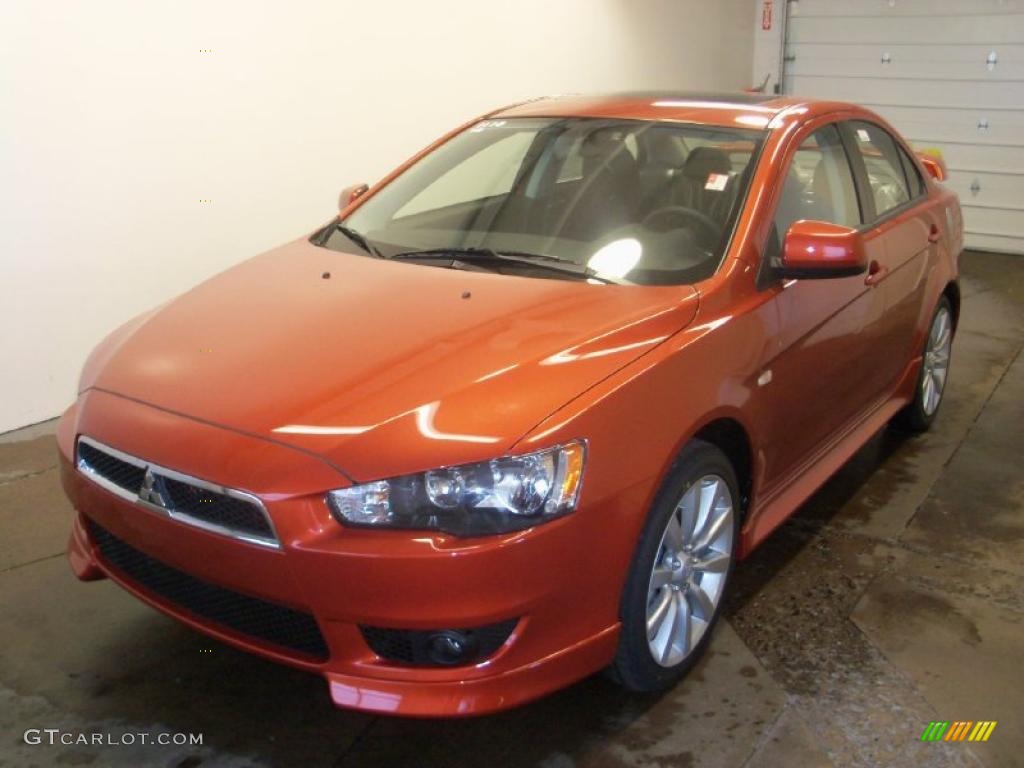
point(89, 471)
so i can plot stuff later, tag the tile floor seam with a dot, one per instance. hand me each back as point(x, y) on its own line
point(351, 749)
point(768, 732)
point(42, 559)
point(28, 476)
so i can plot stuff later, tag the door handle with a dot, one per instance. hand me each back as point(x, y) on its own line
point(876, 272)
point(933, 234)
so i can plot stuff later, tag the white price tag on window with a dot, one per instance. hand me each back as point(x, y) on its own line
point(717, 181)
point(483, 125)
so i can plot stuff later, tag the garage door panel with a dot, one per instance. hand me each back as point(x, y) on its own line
point(806, 8)
point(869, 63)
point(989, 189)
point(927, 126)
point(995, 243)
point(978, 95)
point(990, 221)
point(979, 158)
point(872, 52)
point(936, 30)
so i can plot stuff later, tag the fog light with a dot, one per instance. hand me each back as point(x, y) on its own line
point(450, 647)
point(438, 647)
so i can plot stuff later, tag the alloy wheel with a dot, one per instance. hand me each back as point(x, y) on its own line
point(690, 570)
point(936, 361)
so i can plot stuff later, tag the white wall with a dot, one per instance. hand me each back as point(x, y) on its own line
point(768, 44)
point(116, 126)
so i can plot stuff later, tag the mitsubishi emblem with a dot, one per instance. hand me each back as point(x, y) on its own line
point(150, 492)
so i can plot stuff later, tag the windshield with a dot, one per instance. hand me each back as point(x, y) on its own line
point(651, 203)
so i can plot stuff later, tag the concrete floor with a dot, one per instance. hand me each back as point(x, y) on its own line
point(893, 598)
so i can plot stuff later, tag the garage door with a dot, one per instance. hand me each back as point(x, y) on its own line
point(949, 74)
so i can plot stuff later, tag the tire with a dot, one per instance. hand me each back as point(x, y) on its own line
point(918, 415)
point(700, 469)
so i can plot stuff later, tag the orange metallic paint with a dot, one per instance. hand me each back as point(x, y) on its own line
point(818, 246)
point(272, 379)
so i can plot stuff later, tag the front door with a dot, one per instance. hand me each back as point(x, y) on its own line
point(816, 381)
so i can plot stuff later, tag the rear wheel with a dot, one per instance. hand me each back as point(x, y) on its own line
point(680, 570)
point(919, 414)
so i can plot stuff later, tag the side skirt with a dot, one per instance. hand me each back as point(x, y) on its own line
point(773, 511)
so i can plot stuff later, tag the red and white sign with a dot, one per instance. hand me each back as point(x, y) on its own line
point(766, 14)
point(717, 181)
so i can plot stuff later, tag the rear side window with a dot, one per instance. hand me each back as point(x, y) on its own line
point(914, 179)
point(883, 166)
point(819, 186)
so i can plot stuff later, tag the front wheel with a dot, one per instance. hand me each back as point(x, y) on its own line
point(919, 414)
point(682, 564)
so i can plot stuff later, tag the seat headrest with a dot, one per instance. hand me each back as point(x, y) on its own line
point(663, 150)
point(703, 161)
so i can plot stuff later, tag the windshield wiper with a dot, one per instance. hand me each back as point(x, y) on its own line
point(484, 255)
point(356, 237)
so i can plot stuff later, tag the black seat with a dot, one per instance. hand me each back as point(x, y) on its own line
point(609, 190)
point(694, 187)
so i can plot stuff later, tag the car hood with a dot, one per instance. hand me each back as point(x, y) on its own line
point(382, 367)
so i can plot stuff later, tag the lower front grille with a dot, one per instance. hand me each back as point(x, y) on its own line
point(272, 623)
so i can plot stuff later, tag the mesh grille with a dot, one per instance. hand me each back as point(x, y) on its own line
point(412, 646)
point(216, 508)
point(189, 500)
point(275, 624)
point(117, 471)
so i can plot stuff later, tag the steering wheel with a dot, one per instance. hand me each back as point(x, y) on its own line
point(706, 226)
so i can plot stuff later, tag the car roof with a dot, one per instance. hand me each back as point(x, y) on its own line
point(736, 109)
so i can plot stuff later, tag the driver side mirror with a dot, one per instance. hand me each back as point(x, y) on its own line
point(350, 194)
point(818, 249)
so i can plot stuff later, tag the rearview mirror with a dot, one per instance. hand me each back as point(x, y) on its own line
point(934, 164)
point(350, 194)
point(818, 249)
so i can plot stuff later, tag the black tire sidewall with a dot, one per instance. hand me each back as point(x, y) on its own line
point(634, 667)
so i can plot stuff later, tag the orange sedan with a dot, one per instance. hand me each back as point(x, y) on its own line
point(515, 414)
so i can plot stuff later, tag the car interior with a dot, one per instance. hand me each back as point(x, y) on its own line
point(594, 182)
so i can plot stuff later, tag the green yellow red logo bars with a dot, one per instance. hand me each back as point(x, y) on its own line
point(959, 730)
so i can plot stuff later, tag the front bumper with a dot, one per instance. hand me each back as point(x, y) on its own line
point(346, 577)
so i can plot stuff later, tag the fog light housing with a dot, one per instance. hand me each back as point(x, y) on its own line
point(437, 647)
point(451, 647)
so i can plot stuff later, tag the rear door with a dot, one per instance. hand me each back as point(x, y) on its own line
point(903, 230)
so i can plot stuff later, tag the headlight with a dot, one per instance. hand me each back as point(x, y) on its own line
point(497, 496)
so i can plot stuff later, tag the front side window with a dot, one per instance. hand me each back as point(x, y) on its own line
point(883, 166)
point(641, 202)
point(818, 187)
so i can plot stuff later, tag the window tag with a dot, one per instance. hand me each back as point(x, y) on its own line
point(717, 181)
point(483, 125)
